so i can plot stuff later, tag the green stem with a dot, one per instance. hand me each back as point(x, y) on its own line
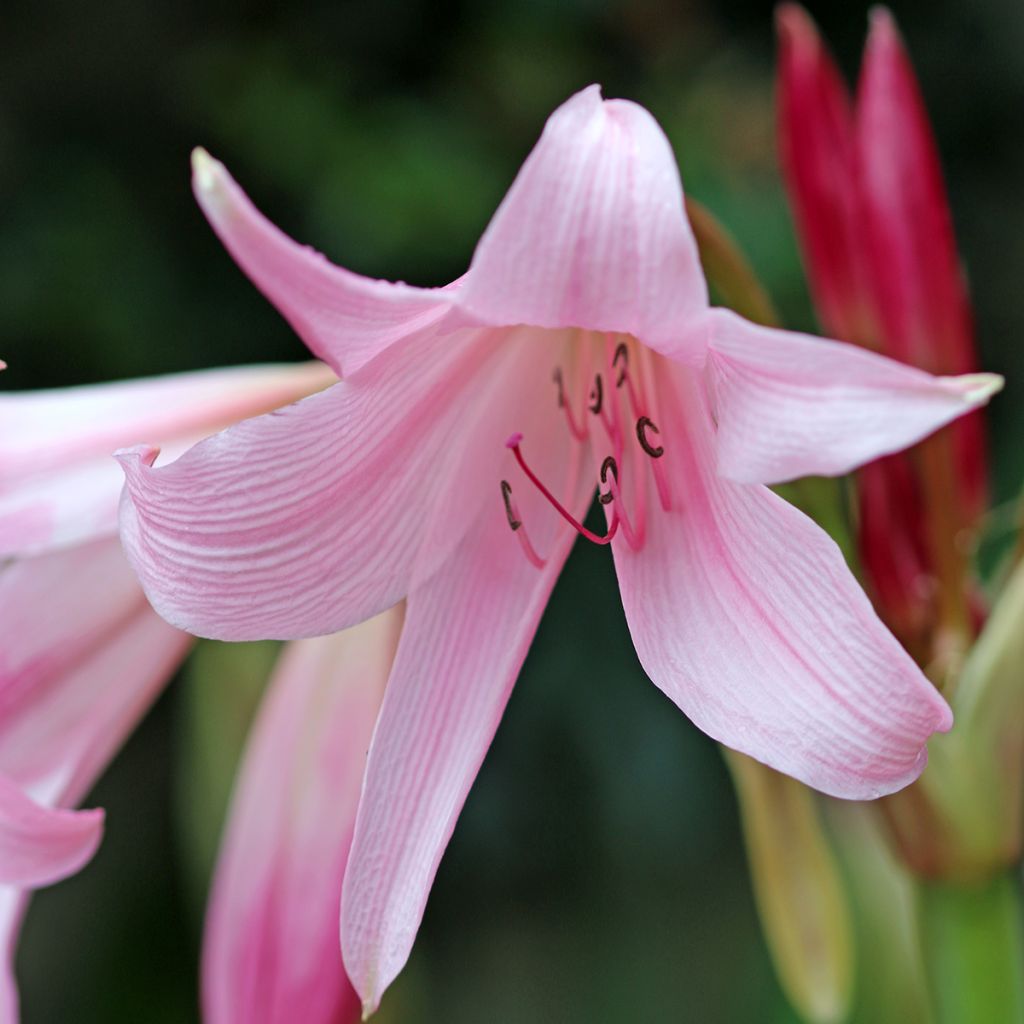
point(972, 940)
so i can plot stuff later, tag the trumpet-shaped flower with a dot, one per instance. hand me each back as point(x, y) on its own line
point(82, 655)
point(454, 463)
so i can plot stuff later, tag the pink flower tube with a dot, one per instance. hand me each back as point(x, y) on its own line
point(454, 463)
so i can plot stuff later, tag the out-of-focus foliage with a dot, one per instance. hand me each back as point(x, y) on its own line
point(597, 873)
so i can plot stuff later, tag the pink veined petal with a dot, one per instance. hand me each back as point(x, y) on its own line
point(465, 636)
point(58, 483)
point(343, 318)
point(75, 679)
point(789, 405)
point(816, 148)
point(271, 952)
point(744, 613)
point(40, 845)
point(310, 520)
point(592, 234)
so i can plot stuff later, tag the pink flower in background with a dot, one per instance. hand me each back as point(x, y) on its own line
point(271, 953)
point(874, 223)
point(578, 348)
point(82, 655)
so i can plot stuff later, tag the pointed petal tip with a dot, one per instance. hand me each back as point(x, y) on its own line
point(881, 21)
point(139, 454)
point(980, 387)
point(369, 1009)
point(792, 22)
point(205, 170)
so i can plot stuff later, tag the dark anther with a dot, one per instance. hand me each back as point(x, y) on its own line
point(506, 496)
point(642, 426)
point(608, 466)
point(621, 353)
point(557, 378)
point(596, 395)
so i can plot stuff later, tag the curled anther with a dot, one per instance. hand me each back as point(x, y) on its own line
point(608, 466)
point(642, 426)
point(506, 496)
point(597, 395)
point(557, 378)
point(621, 354)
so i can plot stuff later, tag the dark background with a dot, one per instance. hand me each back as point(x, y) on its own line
point(597, 872)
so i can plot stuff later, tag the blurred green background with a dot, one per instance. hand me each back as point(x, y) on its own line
point(597, 872)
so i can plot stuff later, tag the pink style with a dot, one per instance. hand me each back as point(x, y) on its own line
point(453, 466)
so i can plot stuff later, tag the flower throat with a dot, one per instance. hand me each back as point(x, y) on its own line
point(621, 414)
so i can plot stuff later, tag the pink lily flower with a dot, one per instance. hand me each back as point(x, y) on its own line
point(271, 952)
point(873, 219)
point(82, 655)
point(453, 466)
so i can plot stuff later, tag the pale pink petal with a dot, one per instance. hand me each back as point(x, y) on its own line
point(465, 636)
point(592, 234)
point(745, 614)
point(790, 405)
point(271, 953)
point(58, 483)
point(40, 845)
point(343, 318)
point(317, 517)
point(79, 665)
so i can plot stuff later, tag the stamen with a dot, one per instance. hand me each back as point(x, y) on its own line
point(642, 426)
point(608, 466)
point(506, 494)
point(577, 431)
point(621, 353)
point(513, 443)
point(610, 478)
point(516, 522)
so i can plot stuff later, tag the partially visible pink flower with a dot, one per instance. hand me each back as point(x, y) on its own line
point(271, 952)
point(453, 464)
point(874, 223)
point(82, 654)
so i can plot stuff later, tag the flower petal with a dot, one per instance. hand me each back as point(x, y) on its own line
point(592, 234)
point(39, 845)
point(319, 516)
point(744, 612)
point(77, 670)
point(465, 636)
point(58, 483)
point(13, 902)
point(271, 951)
point(343, 318)
point(791, 405)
